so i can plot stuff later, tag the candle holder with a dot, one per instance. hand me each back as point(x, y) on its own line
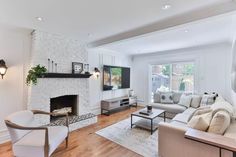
point(149, 108)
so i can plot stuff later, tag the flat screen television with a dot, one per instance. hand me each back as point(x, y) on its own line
point(115, 77)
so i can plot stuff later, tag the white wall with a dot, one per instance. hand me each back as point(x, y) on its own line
point(14, 49)
point(211, 74)
point(98, 58)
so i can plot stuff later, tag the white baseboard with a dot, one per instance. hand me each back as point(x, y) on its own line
point(4, 136)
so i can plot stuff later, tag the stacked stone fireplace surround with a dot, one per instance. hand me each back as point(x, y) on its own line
point(62, 51)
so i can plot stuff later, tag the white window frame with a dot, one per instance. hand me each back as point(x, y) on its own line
point(171, 63)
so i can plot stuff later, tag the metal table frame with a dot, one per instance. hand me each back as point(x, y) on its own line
point(149, 118)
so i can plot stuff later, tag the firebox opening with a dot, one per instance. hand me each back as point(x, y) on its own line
point(67, 102)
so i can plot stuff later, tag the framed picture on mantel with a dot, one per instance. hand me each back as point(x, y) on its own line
point(77, 67)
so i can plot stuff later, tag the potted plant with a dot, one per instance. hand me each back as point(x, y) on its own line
point(34, 73)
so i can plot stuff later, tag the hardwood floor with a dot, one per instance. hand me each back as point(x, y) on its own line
point(85, 143)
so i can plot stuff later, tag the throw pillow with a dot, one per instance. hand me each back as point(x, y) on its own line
point(176, 97)
point(167, 98)
point(157, 97)
point(208, 99)
point(185, 100)
point(219, 99)
point(200, 122)
point(223, 106)
point(219, 123)
point(196, 100)
point(204, 100)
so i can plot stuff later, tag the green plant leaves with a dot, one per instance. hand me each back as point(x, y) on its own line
point(34, 73)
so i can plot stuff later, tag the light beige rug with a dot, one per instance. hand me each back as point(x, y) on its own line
point(138, 140)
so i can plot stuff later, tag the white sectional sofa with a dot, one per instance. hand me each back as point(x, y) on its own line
point(172, 141)
point(172, 108)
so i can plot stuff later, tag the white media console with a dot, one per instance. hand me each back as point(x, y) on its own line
point(109, 105)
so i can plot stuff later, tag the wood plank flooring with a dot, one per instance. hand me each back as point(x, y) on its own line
point(85, 143)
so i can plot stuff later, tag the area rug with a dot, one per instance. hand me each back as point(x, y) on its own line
point(136, 139)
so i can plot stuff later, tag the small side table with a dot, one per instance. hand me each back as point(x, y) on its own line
point(212, 140)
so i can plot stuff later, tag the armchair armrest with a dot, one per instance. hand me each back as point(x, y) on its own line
point(19, 127)
point(16, 126)
point(40, 112)
point(53, 114)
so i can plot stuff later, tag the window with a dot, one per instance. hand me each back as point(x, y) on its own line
point(173, 77)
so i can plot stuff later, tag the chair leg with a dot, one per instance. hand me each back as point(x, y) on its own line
point(46, 151)
point(67, 140)
point(46, 155)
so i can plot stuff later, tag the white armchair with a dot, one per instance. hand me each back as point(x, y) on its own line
point(28, 140)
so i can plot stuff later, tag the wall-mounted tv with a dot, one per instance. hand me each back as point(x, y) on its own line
point(115, 77)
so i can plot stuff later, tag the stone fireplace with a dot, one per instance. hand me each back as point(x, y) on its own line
point(48, 92)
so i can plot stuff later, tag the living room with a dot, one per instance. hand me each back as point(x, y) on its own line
point(87, 79)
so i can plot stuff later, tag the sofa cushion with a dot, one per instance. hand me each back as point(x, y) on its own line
point(176, 97)
point(200, 122)
point(219, 123)
point(196, 100)
point(185, 116)
point(167, 98)
point(181, 118)
point(202, 110)
point(172, 108)
point(33, 142)
point(190, 111)
point(157, 97)
point(185, 100)
point(179, 125)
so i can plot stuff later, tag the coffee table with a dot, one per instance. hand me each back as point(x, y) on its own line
point(148, 121)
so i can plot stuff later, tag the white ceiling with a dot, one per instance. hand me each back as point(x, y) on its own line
point(100, 18)
point(204, 32)
point(106, 18)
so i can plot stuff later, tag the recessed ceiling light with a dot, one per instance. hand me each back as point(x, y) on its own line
point(186, 31)
point(39, 18)
point(166, 6)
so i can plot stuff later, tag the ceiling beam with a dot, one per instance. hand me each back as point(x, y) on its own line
point(180, 19)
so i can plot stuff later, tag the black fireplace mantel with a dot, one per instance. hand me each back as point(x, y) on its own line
point(65, 75)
